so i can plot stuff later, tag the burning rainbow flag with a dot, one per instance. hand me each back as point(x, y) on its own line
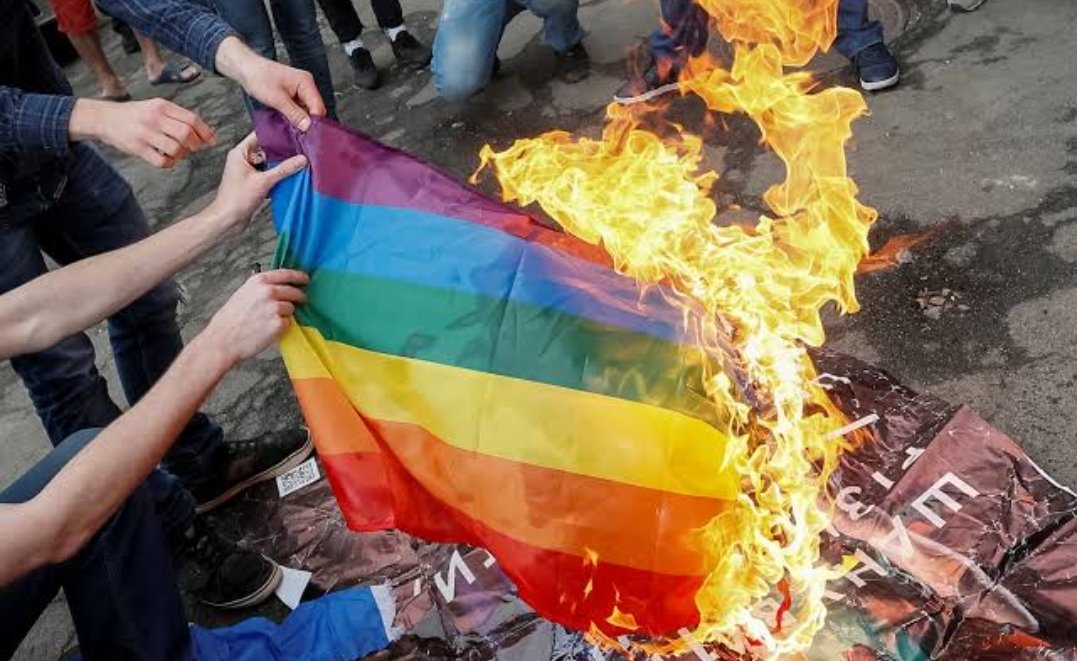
point(472, 376)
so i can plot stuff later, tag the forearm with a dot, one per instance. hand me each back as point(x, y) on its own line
point(181, 25)
point(32, 122)
point(68, 300)
point(79, 500)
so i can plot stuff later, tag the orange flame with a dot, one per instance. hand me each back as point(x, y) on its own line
point(752, 294)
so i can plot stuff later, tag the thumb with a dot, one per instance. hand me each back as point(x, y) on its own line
point(297, 116)
point(284, 170)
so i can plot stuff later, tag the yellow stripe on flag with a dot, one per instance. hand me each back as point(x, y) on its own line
point(534, 423)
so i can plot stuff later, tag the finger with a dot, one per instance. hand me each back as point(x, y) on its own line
point(288, 293)
point(297, 117)
point(285, 169)
point(156, 158)
point(168, 146)
point(205, 133)
point(285, 309)
point(284, 277)
point(183, 134)
point(310, 97)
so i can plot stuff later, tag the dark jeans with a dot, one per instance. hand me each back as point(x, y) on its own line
point(344, 20)
point(685, 32)
point(90, 212)
point(120, 587)
point(297, 22)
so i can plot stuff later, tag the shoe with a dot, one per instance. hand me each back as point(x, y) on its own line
point(220, 574)
point(409, 51)
point(250, 462)
point(367, 75)
point(964, 5)
point(651, 84)
point(574, 64)
point(877, 68)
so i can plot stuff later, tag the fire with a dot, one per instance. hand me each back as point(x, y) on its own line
point(752, 295)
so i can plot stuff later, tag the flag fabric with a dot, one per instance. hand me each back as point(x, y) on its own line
point(470, 375)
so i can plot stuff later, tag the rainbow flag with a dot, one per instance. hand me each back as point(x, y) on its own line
point(472, 376)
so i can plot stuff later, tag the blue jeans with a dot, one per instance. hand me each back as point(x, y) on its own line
point(297, 23)
point(685, 33)
point(469, 32)
point(90, 212)
point(120, 587)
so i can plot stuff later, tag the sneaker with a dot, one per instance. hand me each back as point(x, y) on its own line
point(250, 462)
point(877, 68)
point(964, 5)
point(574, 64)
point(651, 84)
point(366, 74)
point(220, 574)
point(409, 51)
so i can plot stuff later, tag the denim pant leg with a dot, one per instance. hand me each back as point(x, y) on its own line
point(683, 34)
point(343, 19)
point(855, 30)
point(297, 23)
point(561, 23)
point(465, 45)
point(120, 587)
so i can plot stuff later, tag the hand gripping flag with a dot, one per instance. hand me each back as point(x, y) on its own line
point(472, 376)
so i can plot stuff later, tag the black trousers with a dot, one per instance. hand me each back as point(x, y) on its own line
point(345, 22)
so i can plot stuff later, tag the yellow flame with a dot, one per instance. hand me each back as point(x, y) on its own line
point(752, 295)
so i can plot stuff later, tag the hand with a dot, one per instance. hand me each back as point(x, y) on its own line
point(243, 187)
point(290, 91)
point(157, 131)
point(257, 314)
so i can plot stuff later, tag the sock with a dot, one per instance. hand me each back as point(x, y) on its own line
point(352, 46)
point(394, 32)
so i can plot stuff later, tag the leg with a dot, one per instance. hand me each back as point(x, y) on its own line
point(561, 29)
point(465, 47)
point(120, 587)
point(388, 12)
point(76, 19)
point(683, 34)
point(343, 19)
point(95, 214)
point(297, 23)
point(855, 31)
point(250, 20)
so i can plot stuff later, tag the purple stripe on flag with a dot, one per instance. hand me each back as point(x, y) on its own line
point(352, 167)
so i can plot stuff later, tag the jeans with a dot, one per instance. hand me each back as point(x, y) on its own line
point(345, 23)
point(90, 212)
point(685, 33)
point(297, 22)
point(469, 32)
point(120, 587)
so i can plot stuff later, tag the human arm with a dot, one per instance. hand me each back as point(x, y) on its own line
point(200, 34)
point(33, 122)
point(68, 300)
point(56, 523)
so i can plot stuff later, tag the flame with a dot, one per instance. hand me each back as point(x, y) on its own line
point(751, 295)
point(897, 250)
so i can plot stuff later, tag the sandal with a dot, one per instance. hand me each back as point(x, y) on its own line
point(175, 74)
point(115, 98)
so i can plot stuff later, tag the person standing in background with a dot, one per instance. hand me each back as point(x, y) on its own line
point(297, 23)
point(348, 28)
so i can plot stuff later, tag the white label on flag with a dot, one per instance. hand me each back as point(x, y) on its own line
point(299, 477)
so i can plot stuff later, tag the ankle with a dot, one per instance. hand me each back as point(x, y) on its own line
point(393, 33)
point(352, 46)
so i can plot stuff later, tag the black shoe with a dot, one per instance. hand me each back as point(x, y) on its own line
point(574, 64)
point(366, 74)
point(409, 51)
point(250, 462)
point(876, 67)
point(657, 80)
point(220, 574)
